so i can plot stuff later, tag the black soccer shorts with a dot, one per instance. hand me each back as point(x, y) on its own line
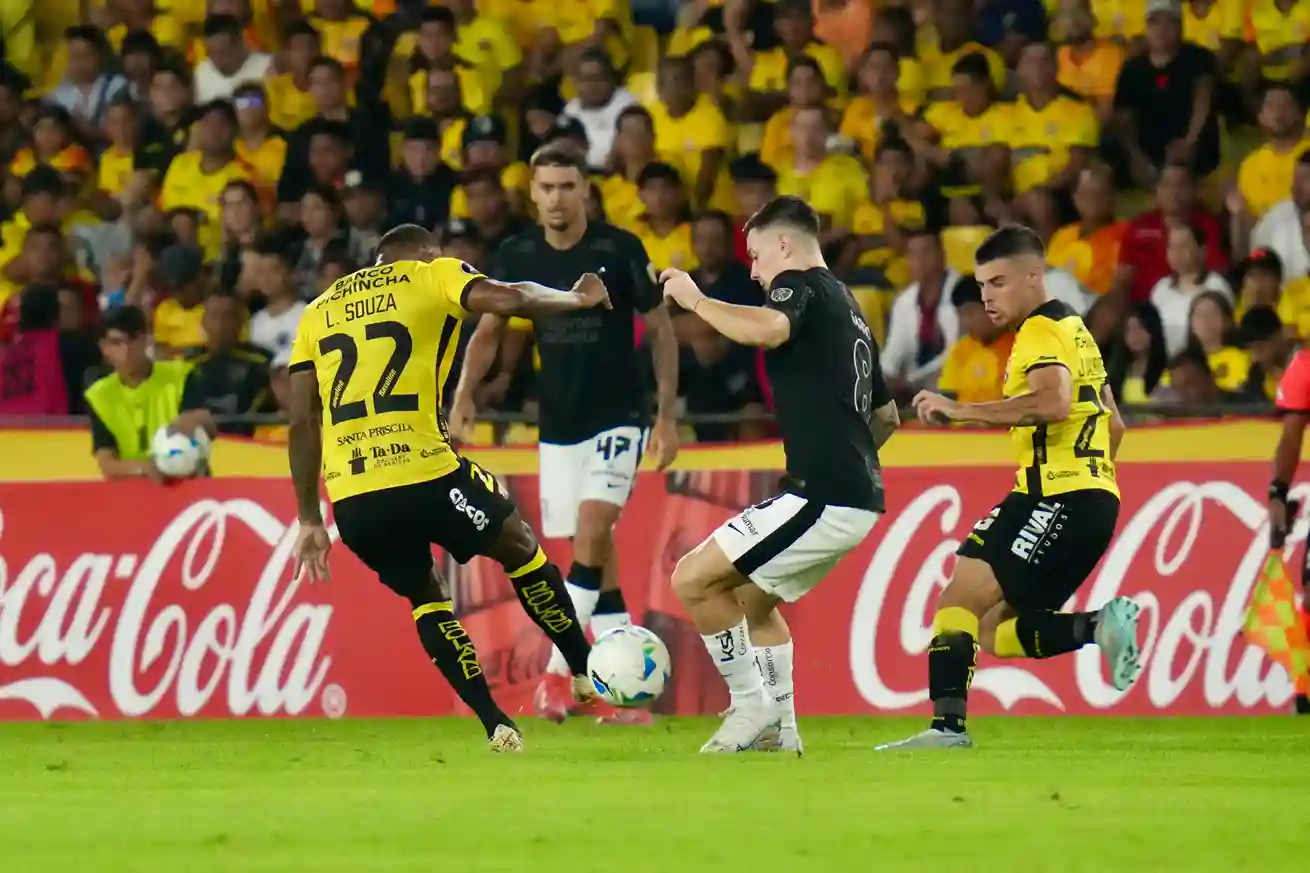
point(1041, 549)
point(392, 530)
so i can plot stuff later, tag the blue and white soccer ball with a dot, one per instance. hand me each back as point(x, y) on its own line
point(179, 455)
point(629, 666)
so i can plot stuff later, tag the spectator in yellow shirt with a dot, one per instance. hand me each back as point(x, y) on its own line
point(1216, 25)
point(692, 133)
point(964, 140)
point(834, 184)
point(881, 225)
point(664, 229)
point(974, 369)
point(435, 50)
point(114, 167)
point(196, 179)
point(1088, 64)
point(1280, 31)
point(178, 277)
point(290, 103)
point(258, 144)
point(1265, 175)
point(485, 148)
point(879, 109)
point(145, 16)
point(633, 151)
point(491, 49)
point(1213, 331)
point(1052, 139)
point(341, 28)
point(793, 21)
point(1260, 282)
point(954, 24)
point(805, 90)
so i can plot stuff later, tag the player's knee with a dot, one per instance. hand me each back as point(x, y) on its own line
point(973, 587)
point(689, 580)
point(516, 544)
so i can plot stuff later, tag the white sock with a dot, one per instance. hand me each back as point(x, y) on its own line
point(731, 652)
point(607, 621)
point(584, 604)
point(775, 669)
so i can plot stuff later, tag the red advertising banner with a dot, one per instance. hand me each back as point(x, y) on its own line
point(126, 600)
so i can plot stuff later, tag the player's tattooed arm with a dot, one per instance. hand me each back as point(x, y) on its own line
point(883, 423)
point(305, 444)
point(1117, 426)
point(529, 300)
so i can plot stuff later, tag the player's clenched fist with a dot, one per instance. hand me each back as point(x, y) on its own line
point(933, 408)
point(680, 288)
point(592, 291)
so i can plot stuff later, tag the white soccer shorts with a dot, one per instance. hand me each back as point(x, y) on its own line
point(603, 468)
point(787, 544)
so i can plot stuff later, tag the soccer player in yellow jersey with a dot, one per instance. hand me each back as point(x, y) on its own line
point(365, 410)
point(1029, 555)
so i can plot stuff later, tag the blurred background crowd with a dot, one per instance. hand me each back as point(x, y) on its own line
point(181, 176)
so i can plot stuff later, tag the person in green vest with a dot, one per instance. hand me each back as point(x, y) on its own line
point(138, 397)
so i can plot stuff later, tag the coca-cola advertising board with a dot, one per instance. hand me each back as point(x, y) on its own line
point(129, 600)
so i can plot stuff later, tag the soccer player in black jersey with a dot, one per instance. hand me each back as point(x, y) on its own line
point(1027, 557)
point(834, 411)
point(593, 402)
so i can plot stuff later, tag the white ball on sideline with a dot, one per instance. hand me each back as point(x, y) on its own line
point(629, 666)
point(178, 455)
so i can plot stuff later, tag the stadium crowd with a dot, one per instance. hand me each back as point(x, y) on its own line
point(181, 176)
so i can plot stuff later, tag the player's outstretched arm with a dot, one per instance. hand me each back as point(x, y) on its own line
point(530, 300)
point(1050, 398)
point(305, 443)
point(746, 325)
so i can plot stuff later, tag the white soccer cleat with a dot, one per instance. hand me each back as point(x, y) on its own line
point(1116, 636)
point(506, 739)
point(932, 738)
point(780, 739)
point(743, 726)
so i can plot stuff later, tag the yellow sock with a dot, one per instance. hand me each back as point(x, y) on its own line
point(955, 619)
point(1007, 643)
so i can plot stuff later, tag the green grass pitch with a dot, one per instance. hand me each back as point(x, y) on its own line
point(1045, 794)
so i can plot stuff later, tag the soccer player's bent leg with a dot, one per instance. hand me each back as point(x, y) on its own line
point(705, 581)
point(1040, 633)
point(451, 650)
point(541, 591)
point(774, 657)
point(591, 585)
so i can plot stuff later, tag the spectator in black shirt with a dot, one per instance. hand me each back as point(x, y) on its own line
point(367, 125)
point(490, 213)
point(1164, 100)
point(164, 133)
point(139, 57)
point(327, 162)
point(419, 191)
point(321, 216)
point(231, 377)
point(242, 217)
point(718, 375)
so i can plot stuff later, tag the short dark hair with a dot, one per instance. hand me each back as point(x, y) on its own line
point(330, 127)
point(221, 107)
point(1270, 85)
point(635, 111)
point(1197, 232)
point(717, 216)
point(274, 246)
point(89, 34)
point(1010, 241)
point(966, 290)
point(749, 168)
point(175, 66)
point(597, 55)
point(328, 63)
point(140, 42)
point(301, 28)
point(127, 320)
point(1259, 324)
point(481, 176)
point(657, 171)
point(788, 210)
point(223, 25)
point(437, 15)
point(805, 62)
point(244, 185)
point(558, 156)
point(38, 307)
point(329, 195)
point(44, 230)
point(975, 66)
point(404, 240)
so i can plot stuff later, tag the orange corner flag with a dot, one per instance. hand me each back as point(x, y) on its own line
point(1274, 623)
